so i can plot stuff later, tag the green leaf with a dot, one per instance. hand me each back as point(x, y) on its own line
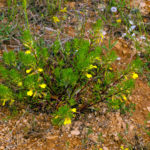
point(27, 60)
point(14, 76)
point(9, 58)
point(137, 64)
point(72, 102)
point(5, 92)
point(111, 56)
point(3, 72)
point(68, 77)
point(56, 47)
point(27, 37)
point(31, 81)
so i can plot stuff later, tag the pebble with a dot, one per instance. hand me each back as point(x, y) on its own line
point(2, 147)
point(69, 135)
point(148, 108)
point(93, 137)
point(148, 121)
point(75, 132)
point(51, 137)
point(77, 124)
point(105, 148)
point(90, 116)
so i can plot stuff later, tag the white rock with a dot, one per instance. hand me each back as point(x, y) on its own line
point(148, 108)
point(105, 148)
point(93, 137)
point(51, 137)
point(75, 132)
point(90, 116)
point(148, 121)
point(2, 147)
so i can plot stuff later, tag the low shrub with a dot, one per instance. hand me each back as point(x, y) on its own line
point(56, 79)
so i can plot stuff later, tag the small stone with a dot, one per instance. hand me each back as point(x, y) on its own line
point(25, 121)
point(97, 118)
point(2, 148)
point(87, 124)
point(89, 116)
point(104, 135)
point(66, 128)
point(104, 110)
point(116, 138)
point(148, 121)
point(69, 135)
point(84, 131)
point(51, 137)
point(77, 124)
point(105, 148)
point(93, 137)
point(75, 132)
point(148, 108)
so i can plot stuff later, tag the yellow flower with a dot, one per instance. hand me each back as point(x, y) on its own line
point(101, 35)
point(113, 98)
point(30, 93)
point(28, 44)
point(88, 75)
point(99, 81)
point(40, 70)
point(92, 66)
point(110, 68)
point(35, 94)
point(100, 38)
point(63, 10)
point(11, 101)
point(118, 20)
point(134, 75)
point(115, 107)
point(44, 94)
point(127, 91)
point(124, 97)
point(126, 78)
point(100, 149)
point(19, 83)
point(4, 101)
point(29, 70)
point(43, 85)
point(28, 52)
point(56, 116)
point(74, 110)
point(42, 15)
point(97, 58)
point(67, 121)
point(56, 19)
point(126, 149)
